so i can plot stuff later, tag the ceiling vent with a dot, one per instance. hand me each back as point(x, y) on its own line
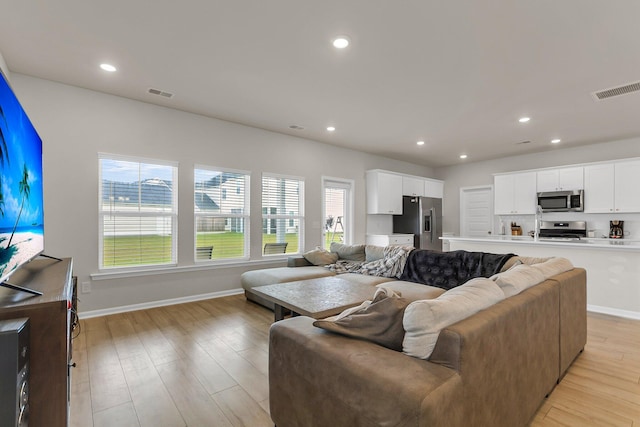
point(296, 127)
point(523, 142)
point(159, 92)
point(617, 91)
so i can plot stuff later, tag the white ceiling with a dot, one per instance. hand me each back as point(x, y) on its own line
point(457, 74)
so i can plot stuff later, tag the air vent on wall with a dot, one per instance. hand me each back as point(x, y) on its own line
point(617, 91)
point(160, 93)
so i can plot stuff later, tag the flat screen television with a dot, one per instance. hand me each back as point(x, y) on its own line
point(21, 192)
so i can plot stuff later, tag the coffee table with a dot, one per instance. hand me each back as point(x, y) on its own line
point(317, 298)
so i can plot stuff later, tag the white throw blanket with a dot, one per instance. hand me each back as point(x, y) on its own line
point(390, 265)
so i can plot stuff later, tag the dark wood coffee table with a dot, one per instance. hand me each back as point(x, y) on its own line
point(317, 298)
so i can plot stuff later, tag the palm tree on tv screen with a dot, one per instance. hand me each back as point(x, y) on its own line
point(25, 190)
point(4, 156)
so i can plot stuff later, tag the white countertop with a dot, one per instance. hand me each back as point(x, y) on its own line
point(526, 240)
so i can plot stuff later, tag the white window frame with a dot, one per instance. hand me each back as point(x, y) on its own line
point(246, 216)
point(299, 217)
point(173, 214)
point(347, 220)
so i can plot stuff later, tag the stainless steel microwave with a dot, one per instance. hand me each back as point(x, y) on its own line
point(561, 201)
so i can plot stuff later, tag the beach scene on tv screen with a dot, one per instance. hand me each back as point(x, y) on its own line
point(21, 198)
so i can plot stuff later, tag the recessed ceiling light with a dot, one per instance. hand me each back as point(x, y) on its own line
point(420, 142)
point(331, 128)
point(108, 67)
point(463, 156)
point(340, 42)
point(524, 119)
point(555, 141)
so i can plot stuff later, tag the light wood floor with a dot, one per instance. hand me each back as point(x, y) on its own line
point(205, 364)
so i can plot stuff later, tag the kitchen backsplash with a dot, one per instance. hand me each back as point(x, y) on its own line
point(599, 223)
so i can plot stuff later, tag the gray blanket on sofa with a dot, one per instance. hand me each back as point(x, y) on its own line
point(447, 270)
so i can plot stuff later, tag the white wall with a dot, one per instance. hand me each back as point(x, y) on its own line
point(76, 124)
point(3, 67)
point(481, 173)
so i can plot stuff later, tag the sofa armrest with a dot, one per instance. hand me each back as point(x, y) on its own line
point(298, 261)
point(317, 378)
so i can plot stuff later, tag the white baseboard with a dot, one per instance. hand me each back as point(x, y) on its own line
point(161, 303)
point(614, 312)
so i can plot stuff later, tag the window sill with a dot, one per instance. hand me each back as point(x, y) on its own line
point(153, 271)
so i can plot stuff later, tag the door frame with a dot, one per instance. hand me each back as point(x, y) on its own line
point(348, 219)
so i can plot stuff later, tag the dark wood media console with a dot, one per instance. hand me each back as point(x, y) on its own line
point(51, 316)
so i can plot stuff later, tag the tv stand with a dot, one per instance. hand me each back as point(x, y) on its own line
point(51, 322)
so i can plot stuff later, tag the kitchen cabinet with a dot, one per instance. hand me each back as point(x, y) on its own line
point(515, 194)
point(563, 179)
point(412, 186)
point(433, 188)
point(612, 187)
point(384, 193)
point(627, 186)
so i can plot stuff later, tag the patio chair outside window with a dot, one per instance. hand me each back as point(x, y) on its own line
point(275, 248)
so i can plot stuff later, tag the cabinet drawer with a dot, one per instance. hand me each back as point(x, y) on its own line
point(401, 240)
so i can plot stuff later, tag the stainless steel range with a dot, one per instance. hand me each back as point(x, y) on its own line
point(565, 230)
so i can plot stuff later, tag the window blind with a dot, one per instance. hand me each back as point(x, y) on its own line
point(138, 212)
point(221, 207)
point(282, 214)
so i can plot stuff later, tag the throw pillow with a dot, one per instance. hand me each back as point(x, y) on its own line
point(348, 252)
point(378, 320)
point(320, 257)
point(424, 319)
point(518, 279)
point(373, 253)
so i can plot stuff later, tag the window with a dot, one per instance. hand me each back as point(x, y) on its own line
point(221, 216)
point(282, 214)
point(138, 212)
point(337, 207)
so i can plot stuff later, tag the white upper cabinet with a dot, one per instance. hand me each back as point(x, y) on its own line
point(560, 179)
point(433, 188)
point(627, 186)
point(515, 194)
point(384, 193)
point(612, 187)
point(412, 186)
point(599, 182)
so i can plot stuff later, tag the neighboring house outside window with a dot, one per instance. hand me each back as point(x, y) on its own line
point(221, 215)
point(138, 212)
point(282, 213)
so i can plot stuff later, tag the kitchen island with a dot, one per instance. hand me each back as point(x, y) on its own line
point(613, 265)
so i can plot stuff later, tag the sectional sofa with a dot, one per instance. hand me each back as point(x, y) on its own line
point(492, 367)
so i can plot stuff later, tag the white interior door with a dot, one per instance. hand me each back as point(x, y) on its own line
point(476, 211)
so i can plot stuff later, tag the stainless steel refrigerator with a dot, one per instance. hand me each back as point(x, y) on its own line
point(422, 217)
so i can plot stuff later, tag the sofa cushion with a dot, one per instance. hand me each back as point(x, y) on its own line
point(363, 278)
point(378, 320)
point(412, 291)
point(553, 266)
point(423, 320)
point(348, 252)
point(270, 276)
point(517, 279)
point(320, 257)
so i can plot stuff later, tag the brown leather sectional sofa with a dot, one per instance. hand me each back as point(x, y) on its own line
point(493, 368)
